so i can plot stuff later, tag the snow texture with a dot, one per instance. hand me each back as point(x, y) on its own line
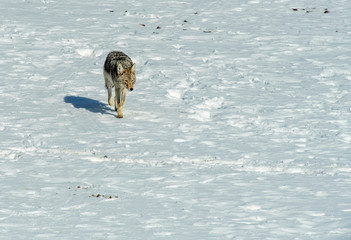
point(239, 126)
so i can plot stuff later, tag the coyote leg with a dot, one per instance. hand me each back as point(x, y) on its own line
point(124, 96)
point(109, 91)
point(119, 102)
point(110, 100)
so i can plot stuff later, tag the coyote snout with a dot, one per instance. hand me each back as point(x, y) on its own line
point(119, 72)
point(129, 86)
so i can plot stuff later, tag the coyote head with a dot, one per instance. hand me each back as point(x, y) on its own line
point(126, 76)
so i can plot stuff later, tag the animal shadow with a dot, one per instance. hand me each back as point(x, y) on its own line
point(89, 104)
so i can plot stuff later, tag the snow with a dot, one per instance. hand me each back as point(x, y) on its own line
point(239, 126)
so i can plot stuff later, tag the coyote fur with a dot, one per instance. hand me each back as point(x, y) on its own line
point(119, 72)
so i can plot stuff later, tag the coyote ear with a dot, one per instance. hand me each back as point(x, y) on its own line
point(133, 68)
point(120, 69)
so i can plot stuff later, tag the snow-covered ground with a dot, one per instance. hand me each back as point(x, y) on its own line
point(239, 126)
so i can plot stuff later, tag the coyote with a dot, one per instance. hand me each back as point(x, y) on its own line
point(119, 72)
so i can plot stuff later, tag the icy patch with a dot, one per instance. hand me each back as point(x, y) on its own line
point(345, 137)
point(202, 111)
point(85, 52)
point(213, 103)
point(200, 115)
point(178, 46)
point(175, 94)
point(251, 207)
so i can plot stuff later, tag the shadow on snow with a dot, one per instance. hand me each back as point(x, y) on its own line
point(89, 104)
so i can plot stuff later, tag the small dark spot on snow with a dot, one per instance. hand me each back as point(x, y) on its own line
point(309, 10)
point(143, 25)
point(158, 27)
point(103, 196)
